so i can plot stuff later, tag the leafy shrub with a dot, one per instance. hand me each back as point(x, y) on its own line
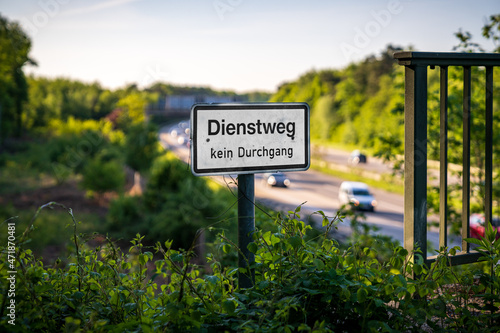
point(70, 144)
point(125, 212)
point(174, 206)
point(68, 154)
point(170, 174)
point(300, 285)
point(101, 176)
point(76, 127)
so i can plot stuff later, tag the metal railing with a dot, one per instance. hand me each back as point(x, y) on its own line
point(415, 157)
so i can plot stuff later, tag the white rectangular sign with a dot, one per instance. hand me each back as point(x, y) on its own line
point(249, 138)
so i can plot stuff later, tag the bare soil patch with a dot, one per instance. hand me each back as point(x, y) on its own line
point(67, 194)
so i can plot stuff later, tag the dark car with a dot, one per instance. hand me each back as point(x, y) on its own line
point(277, 179)
point(356, 157)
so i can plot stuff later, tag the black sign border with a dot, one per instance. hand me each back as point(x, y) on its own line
point(247, 106)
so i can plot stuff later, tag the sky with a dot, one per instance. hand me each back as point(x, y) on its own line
point(239, 45)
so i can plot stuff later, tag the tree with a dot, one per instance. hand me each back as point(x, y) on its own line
point(141, 146)
point(491, 30)
point(62, 98)
point(133, 105)
point(14, 49)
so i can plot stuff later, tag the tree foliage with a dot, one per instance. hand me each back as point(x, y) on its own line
point(14, 55)
point(354, 105)
point(133, 107)
point(141, 146)
point(62, 98)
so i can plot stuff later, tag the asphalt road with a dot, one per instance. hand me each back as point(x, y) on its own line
point(317, 191)
point(341, 157)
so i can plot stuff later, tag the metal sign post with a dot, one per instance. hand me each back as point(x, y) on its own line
point(246, 228)
point(244, 139)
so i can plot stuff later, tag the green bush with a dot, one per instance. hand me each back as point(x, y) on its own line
point(125, 212)
point(101, 176)
point(174, 206)
point(68, 154)
point(300, 285)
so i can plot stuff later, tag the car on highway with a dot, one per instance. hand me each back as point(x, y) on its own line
point(181, 132)
point(356, 157)
point(277, 179)
point(358, 195)
point(476, 225)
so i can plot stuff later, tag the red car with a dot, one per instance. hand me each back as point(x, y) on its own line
point(476, 225)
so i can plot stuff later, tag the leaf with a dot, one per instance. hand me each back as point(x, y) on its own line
point(263, 284)
point(176, 257)
point(361, 293)
point(402, 251)
point(78, 295)
point(159, 264)
point(320, 265)
point(422, 292)
point(295, 241)
point(149, 255)
point(130, 307)
point(226, 248)
point(252, 247)
point(411, 288)
point(490, 233)
point(417, 269)
point(229, 307)
point(473, 241)
point(327, 244)
point(212, 279)
point(379, 302)
point(389, 289)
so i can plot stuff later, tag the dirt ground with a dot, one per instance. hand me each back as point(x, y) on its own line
point(67, 194)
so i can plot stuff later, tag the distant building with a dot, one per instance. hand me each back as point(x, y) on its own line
point(175, 102)
point(178, 105)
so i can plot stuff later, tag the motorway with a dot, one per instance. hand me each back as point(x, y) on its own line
point(319, 192)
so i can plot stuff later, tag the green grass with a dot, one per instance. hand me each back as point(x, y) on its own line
point(341, 146)
point(51, 228)
point(388, 183)
point(15, 177)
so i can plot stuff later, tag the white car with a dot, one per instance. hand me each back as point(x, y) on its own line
point(358, 194)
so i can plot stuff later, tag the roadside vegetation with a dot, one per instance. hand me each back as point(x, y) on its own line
point(302, 283)
point(92, 255)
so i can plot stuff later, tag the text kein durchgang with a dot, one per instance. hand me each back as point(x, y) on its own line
point(242, 152)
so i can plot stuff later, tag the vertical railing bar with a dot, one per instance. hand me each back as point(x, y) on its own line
point(488, 186)
point(466, 158)
point(415, 203)
point(443, 158)
point(409, 167)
